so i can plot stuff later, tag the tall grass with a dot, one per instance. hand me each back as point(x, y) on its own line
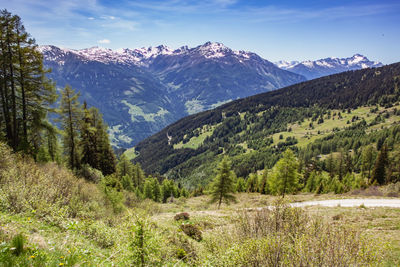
point(285, 236)
point(49, 191)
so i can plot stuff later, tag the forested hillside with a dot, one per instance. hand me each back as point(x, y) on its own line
point(308, 116)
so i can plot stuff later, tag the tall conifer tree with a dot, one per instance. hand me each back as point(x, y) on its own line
point(223, 185)
point(70, 117)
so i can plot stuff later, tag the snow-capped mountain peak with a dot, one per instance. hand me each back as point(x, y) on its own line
point(213, 50)
point(321, 67)
point(285, 64)
point(142, 56)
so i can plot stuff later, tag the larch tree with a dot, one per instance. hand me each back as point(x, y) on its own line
point(70, 118)
point(223, 187)
point(95, 146)
point(124, 167)
point(285, 176)
point(89, 153)
point(379, 171)
point(368, 158)
point(26, 94)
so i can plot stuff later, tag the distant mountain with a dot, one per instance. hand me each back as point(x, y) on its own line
point(140, 91)
point(327, 66)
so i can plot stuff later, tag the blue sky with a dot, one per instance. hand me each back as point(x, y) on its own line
point(287, 30)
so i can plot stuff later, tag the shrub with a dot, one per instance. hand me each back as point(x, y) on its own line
point(192, 231)
point(182, 216)
point(144, 246)
point(90, 174)
point(17, 244)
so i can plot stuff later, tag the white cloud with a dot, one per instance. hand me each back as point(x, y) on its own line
point(90, 18)
point(104, 41)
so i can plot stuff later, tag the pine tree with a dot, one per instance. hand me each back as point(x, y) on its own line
point(240, 185)
point(330, 165)
point(127, 183)
point(252, 183)
point(379, 171)
point(138, 176)
point(107, 159)
point(147, 189)
point(88, 142)
point(368, 160)
point(223, 184)
point(94, 142)
point(285, 176)
point(25, 93)
point(70, 118)
point(263, 188)
point(124, 167)
point(167, 190)
point(156, 190)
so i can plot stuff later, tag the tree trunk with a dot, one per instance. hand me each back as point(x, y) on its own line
point(71, 131)
point(22, 85)
point(14, 141)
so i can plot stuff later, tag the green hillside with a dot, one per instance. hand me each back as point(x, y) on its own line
point(347, 111)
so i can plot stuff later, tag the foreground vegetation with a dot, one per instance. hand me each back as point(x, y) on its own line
point(72, 203)
point(50, 217)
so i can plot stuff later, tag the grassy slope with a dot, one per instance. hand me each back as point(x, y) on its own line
point(302, 132)
point(345, 90)
point(71, 243)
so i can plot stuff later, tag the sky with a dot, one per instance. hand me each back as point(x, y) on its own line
point(276, 30)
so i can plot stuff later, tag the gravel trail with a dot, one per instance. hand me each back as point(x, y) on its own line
point(367, 202)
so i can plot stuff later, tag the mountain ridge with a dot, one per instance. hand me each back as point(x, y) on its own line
point(140, 91)
point(312, 69)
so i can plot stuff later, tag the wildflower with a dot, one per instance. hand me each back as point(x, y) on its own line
point(61, 264)
point(33, 256)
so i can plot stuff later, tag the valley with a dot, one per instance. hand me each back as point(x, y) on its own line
point(202, 155)
point(140, 91)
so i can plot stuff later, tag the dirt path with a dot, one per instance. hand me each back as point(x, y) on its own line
point(367, 202)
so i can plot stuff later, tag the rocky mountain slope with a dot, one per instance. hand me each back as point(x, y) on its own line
point(140, 91)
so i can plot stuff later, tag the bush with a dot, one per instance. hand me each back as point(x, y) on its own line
point(182, 216)
point(90, 174)
point(17, 244)
point(192, 231)
point(144, 246)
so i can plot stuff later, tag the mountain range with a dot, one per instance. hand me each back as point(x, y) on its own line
point(140, 91)
point(327, 66)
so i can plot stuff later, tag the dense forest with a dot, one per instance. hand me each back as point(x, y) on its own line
point(244, 129)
